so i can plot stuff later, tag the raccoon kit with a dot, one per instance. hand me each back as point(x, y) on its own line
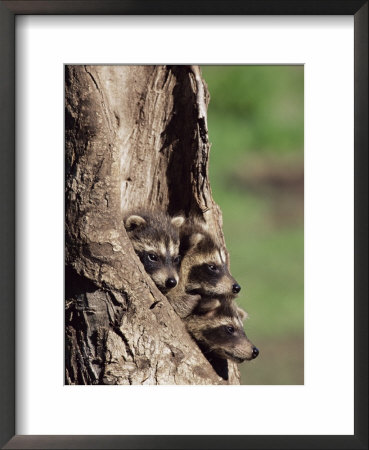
point(155, 239)
point(204, 297)
point(200, 288)
point(204, 275)
point(218, 330)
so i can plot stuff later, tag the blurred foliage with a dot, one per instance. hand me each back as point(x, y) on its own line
point(255, 121)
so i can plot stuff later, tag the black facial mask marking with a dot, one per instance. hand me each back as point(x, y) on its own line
point(220, 335)
point(202, 273)
point(152, 264)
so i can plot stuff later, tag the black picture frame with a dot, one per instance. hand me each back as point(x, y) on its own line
point(8, 12)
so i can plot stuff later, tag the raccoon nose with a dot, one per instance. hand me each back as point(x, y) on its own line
point(236, 288)
point(170, 283)
point(255, 352)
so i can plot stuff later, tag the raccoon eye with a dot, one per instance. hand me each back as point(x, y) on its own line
point(152, 257)
point(177, 259)
point(212, 267)
point(230, 330)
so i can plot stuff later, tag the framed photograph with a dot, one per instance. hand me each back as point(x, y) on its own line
point(169, 171)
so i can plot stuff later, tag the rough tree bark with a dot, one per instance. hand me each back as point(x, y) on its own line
point(135, 136)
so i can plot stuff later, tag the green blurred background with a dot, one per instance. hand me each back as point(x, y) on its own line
point(256, 127)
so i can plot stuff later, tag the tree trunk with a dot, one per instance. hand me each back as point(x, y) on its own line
point(135, 136)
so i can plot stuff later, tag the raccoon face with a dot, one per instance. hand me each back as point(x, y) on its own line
point(210, 276)
point(205, 264)
point(162, 267)
point(155, 239)
point(220, 332)
point(229, 341)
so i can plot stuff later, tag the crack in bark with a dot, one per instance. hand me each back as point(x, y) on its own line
point(120, 333)
point(105, 108)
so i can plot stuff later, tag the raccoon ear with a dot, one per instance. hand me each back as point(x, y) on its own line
point(205, 226)
point(208, 307)
point(243, 314)
point(210, 314)
point(133, 222)
point(177, 221)
point(195, 239)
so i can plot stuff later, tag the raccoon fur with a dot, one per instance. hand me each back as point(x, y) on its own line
point(204, 273)
point(155, 239)
point(218, 330)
